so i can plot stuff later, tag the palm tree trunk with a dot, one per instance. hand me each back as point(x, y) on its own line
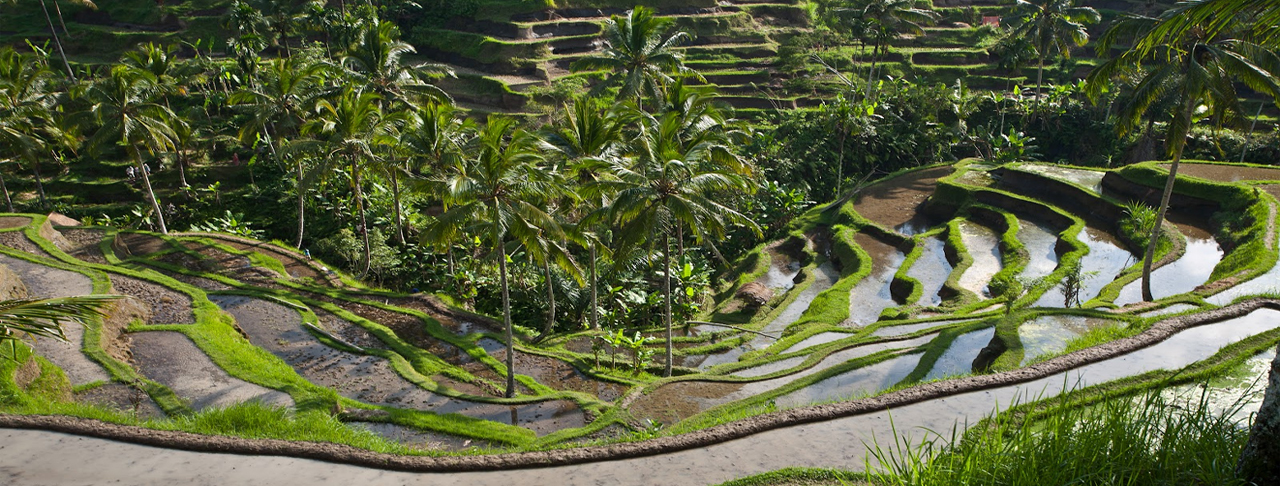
point(57, 41)
point(666, 293)
point(551, 300)
point(9, 201)
point(35, 167)
point(1160, 214)
point(395, 195)
point(595, 303)
point(302, 206)
point(1039, 77)
point(364, 223)
point(1248, 137)
point(840, 161)
point(506, 319)
point(146, 180)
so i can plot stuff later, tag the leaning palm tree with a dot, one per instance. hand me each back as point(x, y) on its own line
point(1050, 25)
point(494, 193)
point(641, 59)
point(32, 318)
point(126, 115)
point(671, 185)
point(27, 125)
point(1198, 69)
point(348, 131)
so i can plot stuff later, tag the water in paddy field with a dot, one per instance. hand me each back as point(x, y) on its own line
point(1105, 260)
point(1183, 275)
point(1239, 394)
point(816, 339)
point(889, 331)
point(1040, 243)
point(1173, 309)
point(1266, 283)
point(824, 276)
point(916, 225)
point(984, 247)
point(958, 358)
point(781, 276)
point(872, 295)
point(931, 269)
point(867, 380)
point(1088, 179)
point(1051, 333)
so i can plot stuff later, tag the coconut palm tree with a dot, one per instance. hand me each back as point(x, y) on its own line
point(668, 185)
point(641, 59)
point(376, 61)
point(1198, 69)
point(885, 20)
point(27, 128)
point(433, 142)
point(125, 115)
point(348, 131)
point(495, 194)
point(279, 104)
point(1050, 25)
point(33, 318)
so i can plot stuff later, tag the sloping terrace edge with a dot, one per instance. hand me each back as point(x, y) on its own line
point(721, 433)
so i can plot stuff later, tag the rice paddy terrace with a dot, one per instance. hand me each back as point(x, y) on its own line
point(507, 57)
point(890, 306)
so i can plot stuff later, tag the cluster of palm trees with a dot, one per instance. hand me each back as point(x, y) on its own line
point(618, 178)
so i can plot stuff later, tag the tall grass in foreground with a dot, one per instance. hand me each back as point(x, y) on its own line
point(1126, 441)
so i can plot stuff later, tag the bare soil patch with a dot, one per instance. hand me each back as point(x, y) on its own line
point(1227, 173)
point(296, 265)
point(14, 221)
point(83, 244)
point(895, 201)
point(678, 401)
point(137, 244)
point(19, 241)
point(561, 375)
point(171, 359)
point(167, 306)
point(123, 398)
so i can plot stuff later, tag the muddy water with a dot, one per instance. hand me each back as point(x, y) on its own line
point(1267, 282)
point(816, 339)
point(958, 358)
point(682, 400)
point(914, 226)
point(1040, 243)
point(912, 328)
point(782, 272)
point(872, 295)
point(824, 275)
point(1051, 333)
point(1239, 394)
point(774, 367)
point(1088, 179)
point(1183, 275)
point(984, 247)
point(371, 379)
point(1106, 259)
point(1173, 309)
point(863, 381)
point(931, 269)
point(416, 438)
point(40, 457)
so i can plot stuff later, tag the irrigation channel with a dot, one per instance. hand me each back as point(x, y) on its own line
point(918, 348)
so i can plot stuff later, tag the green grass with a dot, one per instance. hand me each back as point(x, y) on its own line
point(1143, 440)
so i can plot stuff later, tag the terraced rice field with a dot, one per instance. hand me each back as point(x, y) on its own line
point(884, 304)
